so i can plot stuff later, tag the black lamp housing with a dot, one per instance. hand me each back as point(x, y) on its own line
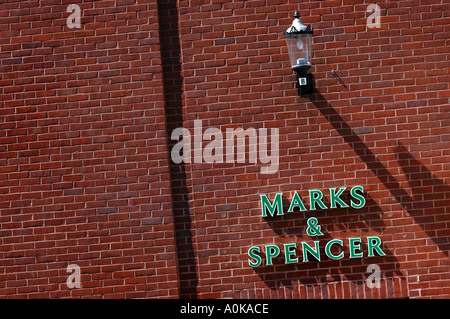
point(299, 41)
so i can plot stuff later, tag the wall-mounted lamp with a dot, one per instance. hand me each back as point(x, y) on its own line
point(299, 40)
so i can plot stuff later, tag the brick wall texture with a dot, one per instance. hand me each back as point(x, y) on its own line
point(86, 175)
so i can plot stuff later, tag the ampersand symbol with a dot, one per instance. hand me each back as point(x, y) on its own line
point(313, 227)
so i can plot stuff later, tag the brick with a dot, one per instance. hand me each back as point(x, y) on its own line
point(85, 150)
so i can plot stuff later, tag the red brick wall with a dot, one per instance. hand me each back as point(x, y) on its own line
point(84, 171)
point(86, 116)
point(386, 129)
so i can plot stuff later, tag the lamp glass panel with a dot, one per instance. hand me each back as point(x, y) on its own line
point(299, 49)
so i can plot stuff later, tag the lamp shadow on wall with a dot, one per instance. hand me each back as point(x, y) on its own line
point(425, 189)
point(422, 184)
point(416, 205)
